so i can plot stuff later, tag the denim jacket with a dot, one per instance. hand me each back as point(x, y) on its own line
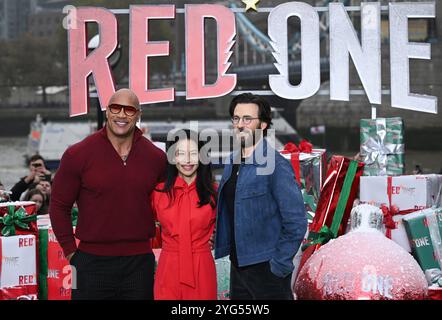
point(270, 217)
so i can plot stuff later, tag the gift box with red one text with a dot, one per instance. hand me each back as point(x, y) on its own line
point(399, 196)
point(18, 250)
point(55, 273)
point(18, 267)
point(412, 192)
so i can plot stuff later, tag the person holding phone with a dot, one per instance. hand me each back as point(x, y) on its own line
point(37, 172)
point(45, 186)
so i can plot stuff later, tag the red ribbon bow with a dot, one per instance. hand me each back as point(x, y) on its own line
point(294, 150)
point(391, 211)
point(388, 218)
point(304, 146)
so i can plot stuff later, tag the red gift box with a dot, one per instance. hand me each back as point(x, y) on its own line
point(59, 277)
point(339, 191)
point(55, 274)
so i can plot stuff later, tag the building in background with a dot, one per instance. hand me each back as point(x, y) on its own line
point(47, 18)
point(14, 17)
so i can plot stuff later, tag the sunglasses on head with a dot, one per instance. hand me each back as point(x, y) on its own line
point(128, 110)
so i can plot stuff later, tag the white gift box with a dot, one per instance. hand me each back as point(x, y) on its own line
point(413, 192)
point(18, 265)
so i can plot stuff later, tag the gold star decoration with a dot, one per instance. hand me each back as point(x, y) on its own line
point(250, 4)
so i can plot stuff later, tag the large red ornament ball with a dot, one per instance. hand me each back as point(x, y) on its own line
point(361, 265)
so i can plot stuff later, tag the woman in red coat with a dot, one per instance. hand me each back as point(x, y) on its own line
point(185, 206)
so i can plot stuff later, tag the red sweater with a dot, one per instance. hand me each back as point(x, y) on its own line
point(113, 197)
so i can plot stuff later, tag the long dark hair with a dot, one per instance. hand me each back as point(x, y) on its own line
point(204, 178)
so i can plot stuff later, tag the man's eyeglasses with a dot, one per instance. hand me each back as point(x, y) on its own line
point(246, 119)
point(128, 110)
point(37, 165)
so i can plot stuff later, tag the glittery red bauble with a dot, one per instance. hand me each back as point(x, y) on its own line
point(361, 265)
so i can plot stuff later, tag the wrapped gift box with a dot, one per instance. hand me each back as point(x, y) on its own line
point(423, 229)
point(398, 197)
point(309, 166)
point(335, 203)
point(55, 273)
point(382, 146)
point(411, 192)
point(18, 250)
point(223, 278)
point(18, 267)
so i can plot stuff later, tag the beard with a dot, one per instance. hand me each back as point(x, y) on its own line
point(248, 137)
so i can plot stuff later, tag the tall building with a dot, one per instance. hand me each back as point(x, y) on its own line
point(47, 18)
point(14, 16)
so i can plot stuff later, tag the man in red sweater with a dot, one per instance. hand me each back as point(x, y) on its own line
point(110, 175)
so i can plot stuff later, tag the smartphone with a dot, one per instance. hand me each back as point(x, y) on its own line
point(46, 177)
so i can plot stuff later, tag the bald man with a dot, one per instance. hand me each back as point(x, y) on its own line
point(110, 175)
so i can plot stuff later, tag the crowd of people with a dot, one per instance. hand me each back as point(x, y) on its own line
point(36, 186)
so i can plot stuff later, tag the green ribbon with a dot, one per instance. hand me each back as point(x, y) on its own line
point(13, 219)
point(74, 214)
point(343, 197)
point(325, 234)
point(43, 268)
point(309, 201)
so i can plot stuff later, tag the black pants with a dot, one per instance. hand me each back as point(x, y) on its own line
point(257, 282)
point(110, 278)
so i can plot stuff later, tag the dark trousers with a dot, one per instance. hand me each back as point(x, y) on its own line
point(257, 282)
point(111, 278)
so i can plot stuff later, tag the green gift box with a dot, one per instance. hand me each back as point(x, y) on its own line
point(382, 146)
point(223, 278)
point(423, 229)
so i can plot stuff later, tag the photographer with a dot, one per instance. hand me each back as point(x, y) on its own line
point(37, 172)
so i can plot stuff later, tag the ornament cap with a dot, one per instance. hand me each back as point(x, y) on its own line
point(366, 217)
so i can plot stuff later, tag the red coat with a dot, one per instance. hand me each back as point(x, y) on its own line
point(186, 268)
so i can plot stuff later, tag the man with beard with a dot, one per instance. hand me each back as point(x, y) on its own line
point(261, 216)
point(110, 175)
